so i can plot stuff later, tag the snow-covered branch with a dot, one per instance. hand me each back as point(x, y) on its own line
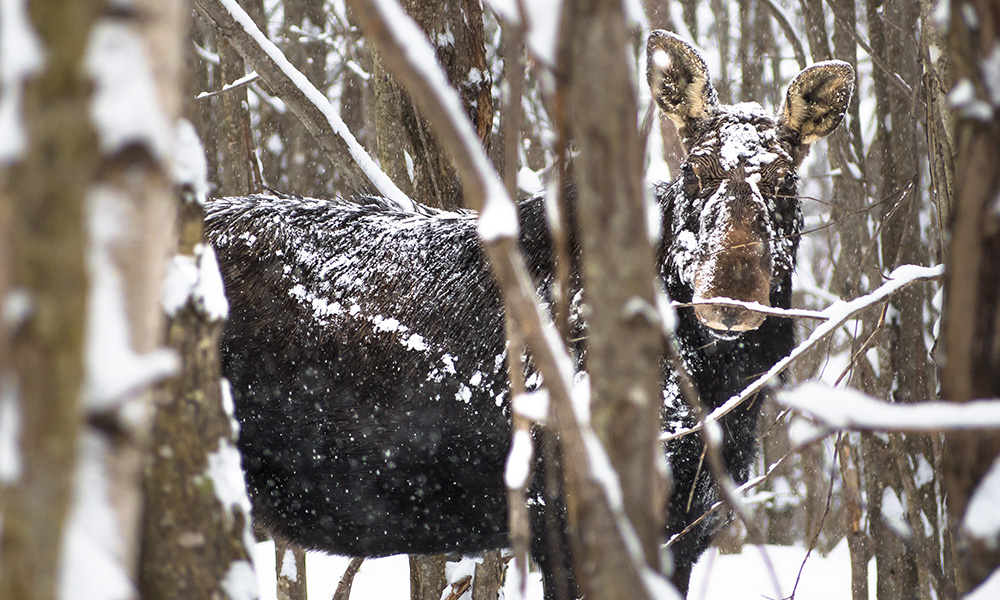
point(792, 313)
point(835, 315)
point(412, 59)
point(850, 409)
point(307, 102)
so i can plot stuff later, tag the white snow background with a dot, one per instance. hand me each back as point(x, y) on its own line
point(716, 576)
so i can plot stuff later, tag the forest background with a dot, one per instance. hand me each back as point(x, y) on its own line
point(118, 477)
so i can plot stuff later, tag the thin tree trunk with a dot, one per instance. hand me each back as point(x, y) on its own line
point(427, 577)
point(624, 344)
point(237, 161)
point(907, 375)
point(196, 528)
point(290, 572)
point(407, 149)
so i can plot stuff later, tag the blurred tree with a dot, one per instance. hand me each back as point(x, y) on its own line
point(972, 279)
point(44, 193)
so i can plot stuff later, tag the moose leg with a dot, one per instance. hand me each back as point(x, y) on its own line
point(549, 522)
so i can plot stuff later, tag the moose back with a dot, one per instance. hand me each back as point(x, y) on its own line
point(366, 347)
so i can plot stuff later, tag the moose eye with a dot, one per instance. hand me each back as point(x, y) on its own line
point(690, 177)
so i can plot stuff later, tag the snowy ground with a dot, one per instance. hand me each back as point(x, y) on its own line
point(716, 576)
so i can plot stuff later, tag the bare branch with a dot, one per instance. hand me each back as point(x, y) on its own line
point(347, 580)
point(307, 102)
point(790, 313)
point(239, 83)
point(789, 31)
point(837, 315)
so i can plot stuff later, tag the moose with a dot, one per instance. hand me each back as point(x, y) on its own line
point(366, 346)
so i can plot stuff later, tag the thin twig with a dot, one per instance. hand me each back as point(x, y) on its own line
point(788, 313)
point(819, 530)
point(347, 580)
point(238, 84)
point(839, 313)
point(789, 31)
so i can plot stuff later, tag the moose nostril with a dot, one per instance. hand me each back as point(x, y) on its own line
point(730, 319)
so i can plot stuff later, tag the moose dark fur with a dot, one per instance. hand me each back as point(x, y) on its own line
point(366, 345)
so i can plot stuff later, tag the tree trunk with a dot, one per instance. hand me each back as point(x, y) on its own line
point(45, 185)
point(907, 371)
point(196, 528)
point(624, 342)
point(407, 149)
point(972, 279)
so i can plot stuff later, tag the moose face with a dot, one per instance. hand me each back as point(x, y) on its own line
point(735, 213)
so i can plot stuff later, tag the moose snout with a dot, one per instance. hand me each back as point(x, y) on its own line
point(746, 278)
point(728, 318)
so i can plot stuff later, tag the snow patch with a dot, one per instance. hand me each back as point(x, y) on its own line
point(498, 218)
point(415, 342)
point(10, 432)
point(240, 582)
point(196, 280)
point(447, 38)
point(115, 371)
point(93, 562)
point(126, 106)
point(288, 569)
point(226, 475)
point(533, 406)
point(519, 460)
point(21, 56)
point(229, 407)
point(190, 166)
point(894, 514)
point(982, 519)
point(455, 572)
point(924, 473)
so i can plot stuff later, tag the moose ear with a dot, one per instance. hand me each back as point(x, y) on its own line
point(816, 101)
point(678, 79)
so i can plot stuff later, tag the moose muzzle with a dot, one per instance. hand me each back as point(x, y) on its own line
point(735, 263)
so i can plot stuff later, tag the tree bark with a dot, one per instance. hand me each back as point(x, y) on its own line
point(45, 189)
point(407, 148)
point(196, 532)
point(624, 342)
point(972, 280)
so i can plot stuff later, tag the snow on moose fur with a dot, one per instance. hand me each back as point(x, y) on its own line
point(366, 346)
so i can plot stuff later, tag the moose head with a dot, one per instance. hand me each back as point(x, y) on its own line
point(734, 212)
